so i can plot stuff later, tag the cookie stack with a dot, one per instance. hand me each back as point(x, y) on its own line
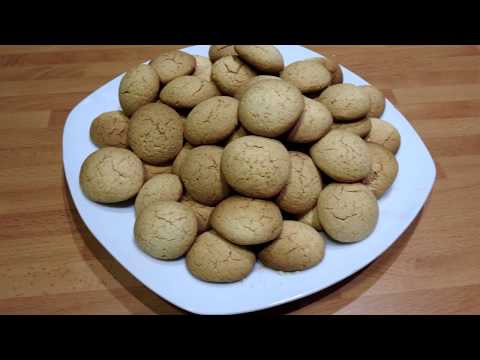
point(236, 157)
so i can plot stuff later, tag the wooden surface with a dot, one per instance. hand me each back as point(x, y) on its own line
point(51, 264)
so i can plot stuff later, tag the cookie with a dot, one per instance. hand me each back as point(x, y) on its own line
point(110, 129)
point(303, 187)
point(165, 187)
point(173, 64)
point(311, 218)
point(314, 122)
point(385, 134)
point(230, 73)
point(299, 247)
point(270, 108)
point(185, 92)
point(347, 212)
point(202, 176)
point(359, 127)
point(342, 155)
point(263, 58)
point(333, 67)
point(247, 221)
point(182, 155)
point(377, 101)
point(111, 175)
point(203, 68)
point(202, 212)
point(383, 172)
point(308, 76)
point(152, 170)
point(218, 51)
point(212, 121)
point(255, 166)
point(213, 259)
point(239, 93)
point(139, 86)
point(155, 133)
point(165, 230)
point(346, 102)
point(237, 134)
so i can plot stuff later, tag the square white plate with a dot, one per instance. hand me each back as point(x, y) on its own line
point(264, 288)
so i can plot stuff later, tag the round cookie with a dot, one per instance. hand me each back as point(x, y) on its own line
point(203, 68)
point(270, 108)
point(165, 230)
point(303, 187)
point(385, 134)
point(213, 259)
point(333, 67)
point(263, 58)
point(155, 133)
point(346, 102)
point(347, 212)
point(308, 76)
point(299, 247)
point(342, 155)
point(237, 134)
point(182, 155)
point(202, 212)
point(139, 86)
point(111, 175)
point(151, 170)
point(311, 218)
point(230, 73)
point(247, 221)
point(201, 174)
point(239, 93)
point(212, 121)
point(384, 170)
point(255, 166)
point(218, 51)
point(359, 127)
point(377, 101)
point(110, 129)
point(185, 92)
point(315, 121)
point(165, 187)
point(173, 64)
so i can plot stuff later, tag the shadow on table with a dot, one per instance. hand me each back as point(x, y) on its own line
point(364, 279)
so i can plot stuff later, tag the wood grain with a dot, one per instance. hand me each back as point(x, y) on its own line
point(51, 264)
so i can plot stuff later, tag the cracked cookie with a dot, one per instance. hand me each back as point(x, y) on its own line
point(165, 230)
point(111, 175)
point(173, 64)
point(237, 134)
point(308, 76)
point(255, 166)
point(384, 169)
point(152, 170)
point(185, 92)
point(202, 212)
point(178, 162)
point(216, 52)
point(247, 221)
point(299, 247)
point(377, 101)
point(110, 129)
point(359, 127)
point(230, 73)
point(314, 122)
point(347, 212)
point(165, 187)
point(346, 102)
point(263, 58)
point(239, 93)
point(311, 218)
point(213, 259)
point(203, 68)
point(385, 134)
point(333, 67)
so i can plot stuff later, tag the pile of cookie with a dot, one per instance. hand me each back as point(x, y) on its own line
point(236, 157)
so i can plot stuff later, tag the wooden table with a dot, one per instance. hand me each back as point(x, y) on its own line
point(51, 264)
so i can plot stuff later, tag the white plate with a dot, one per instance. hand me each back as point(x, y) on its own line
point(264, 288)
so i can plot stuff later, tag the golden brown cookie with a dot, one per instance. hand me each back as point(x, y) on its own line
point(138, 87)
point(182, 155)
point(239, 93)
point(299, 247)
point(385, 134)
point(230, 73)
point(213, 259)
point(203, 68)
point(346, 102)
point(315, 121)
point(333, 67)
point(303, 186)
point(359, 127)
point(212, 121)
point(342, 155)
point(202, 176)
point(152, 170)
point(165, 187)
point(347, 212)
point(308, 76)
point(247, 221)
point(173, 64)
point(185, 92)
point(270, 108)
point(155, 133)
point(110, 129)
point(165, 230)
point(218, 51)
point(311, 218)
point(202, 212)
point(111, 175)
point(263, 58)
point(255, 166)
point(384, 170)
point(377, 101)
point(237, 134)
